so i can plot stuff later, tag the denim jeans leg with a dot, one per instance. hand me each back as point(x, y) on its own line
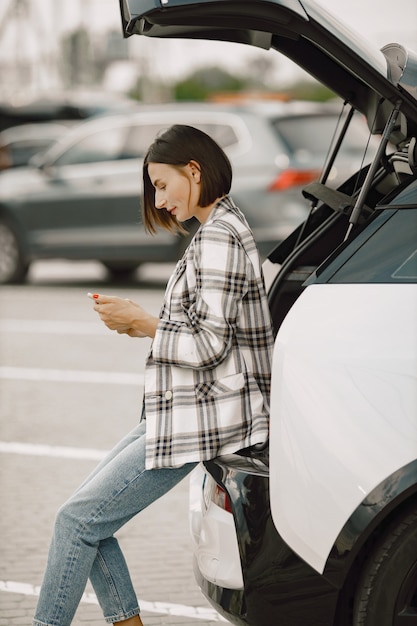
point(83, 544)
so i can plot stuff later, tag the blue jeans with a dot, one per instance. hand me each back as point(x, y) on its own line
point(83, 545)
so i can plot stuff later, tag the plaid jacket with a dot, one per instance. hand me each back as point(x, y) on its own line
point(207, 377)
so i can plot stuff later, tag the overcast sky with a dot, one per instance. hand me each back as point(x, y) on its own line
point(377, 19)
point(380, 21)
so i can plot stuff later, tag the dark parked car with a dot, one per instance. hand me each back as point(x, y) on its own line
point(81, 199)
point(320, 527)
point(57, 107)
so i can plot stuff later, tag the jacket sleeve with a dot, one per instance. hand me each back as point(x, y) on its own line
point(211, 309)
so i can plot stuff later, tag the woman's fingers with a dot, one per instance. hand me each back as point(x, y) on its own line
point(123, 315)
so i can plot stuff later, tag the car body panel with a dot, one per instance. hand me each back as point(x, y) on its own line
point(328, 370)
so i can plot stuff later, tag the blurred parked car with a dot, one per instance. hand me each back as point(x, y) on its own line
point(321, 528)
point(75, 105)
point(82, 200)
point(19, 144)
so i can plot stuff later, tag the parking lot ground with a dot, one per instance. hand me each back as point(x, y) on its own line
point(69, 390)
point(156, 545)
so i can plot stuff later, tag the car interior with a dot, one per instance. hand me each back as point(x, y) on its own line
point(341, 213)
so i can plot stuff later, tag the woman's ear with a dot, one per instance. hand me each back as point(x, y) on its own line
point(195, 170)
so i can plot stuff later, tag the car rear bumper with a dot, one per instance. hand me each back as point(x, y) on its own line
point(279, 588)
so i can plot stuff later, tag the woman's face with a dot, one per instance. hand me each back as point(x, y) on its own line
point(177, 190)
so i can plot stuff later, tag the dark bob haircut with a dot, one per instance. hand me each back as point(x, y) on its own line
point(177, 146)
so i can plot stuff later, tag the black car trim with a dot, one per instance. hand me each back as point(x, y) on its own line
point(393, 199)
point(397, 207)
point(346, 250)
point(336, 200)
point(369, 520)
point(277, 580)
point(383, 253)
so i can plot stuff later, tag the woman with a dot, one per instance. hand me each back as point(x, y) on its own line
point(207, 376)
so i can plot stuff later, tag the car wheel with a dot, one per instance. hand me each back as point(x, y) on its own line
point(13, 268)
point(121, 271)
point(388, 588)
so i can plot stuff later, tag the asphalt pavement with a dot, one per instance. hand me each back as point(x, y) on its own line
point(69, 390)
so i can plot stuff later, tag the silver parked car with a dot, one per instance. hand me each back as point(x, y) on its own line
point(19, 144)
point(80, 200)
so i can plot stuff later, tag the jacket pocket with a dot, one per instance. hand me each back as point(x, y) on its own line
point(219, 387)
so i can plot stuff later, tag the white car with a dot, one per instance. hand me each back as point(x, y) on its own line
point(320, 528)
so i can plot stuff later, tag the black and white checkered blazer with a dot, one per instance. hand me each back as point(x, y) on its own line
point(207, 377)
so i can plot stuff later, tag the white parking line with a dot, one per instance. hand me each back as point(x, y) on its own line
point(62, 452)
point(70, 376)
point(53, 327)
point(164, 608)
point(12, 447)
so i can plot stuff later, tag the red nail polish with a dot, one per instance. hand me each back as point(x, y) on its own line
point(95, 295)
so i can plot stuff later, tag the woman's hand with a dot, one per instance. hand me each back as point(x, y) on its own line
point(125, 316)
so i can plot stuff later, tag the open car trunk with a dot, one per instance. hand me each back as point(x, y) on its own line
point(303, 32)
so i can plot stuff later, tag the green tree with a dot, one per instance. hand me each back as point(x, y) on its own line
point(205, 81)
point(310, 90)
point(77, 58)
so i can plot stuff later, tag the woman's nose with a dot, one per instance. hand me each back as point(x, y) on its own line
point(159, 200)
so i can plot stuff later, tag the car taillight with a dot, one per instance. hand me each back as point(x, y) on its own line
point(293, 178)
point(221, 499)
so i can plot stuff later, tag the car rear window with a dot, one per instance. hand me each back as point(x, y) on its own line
point(313, 134)
point(388, 256)
point(406, 197)
point(106, 145)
